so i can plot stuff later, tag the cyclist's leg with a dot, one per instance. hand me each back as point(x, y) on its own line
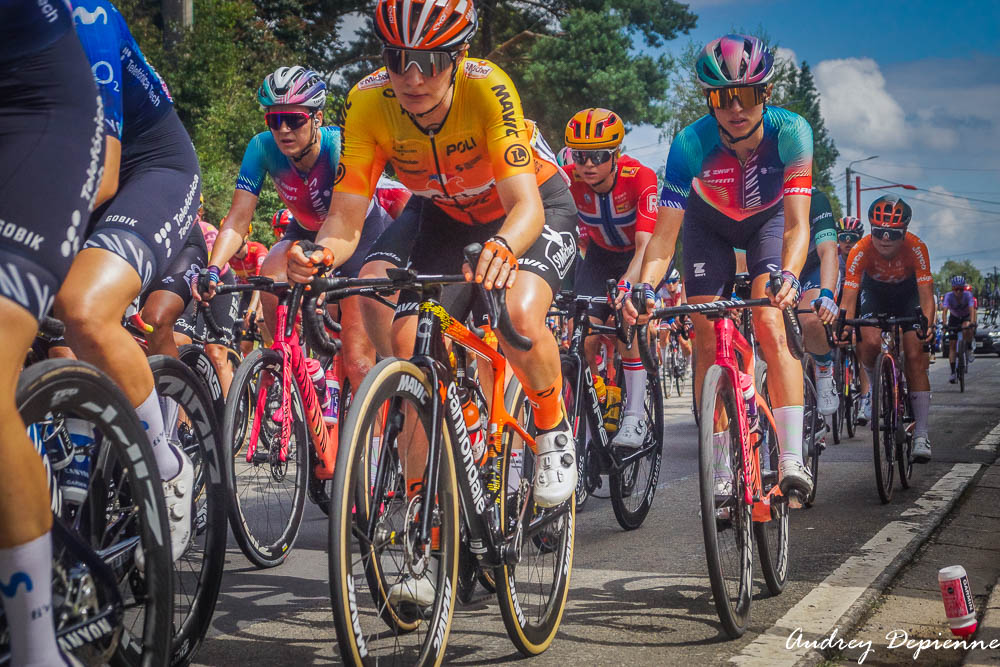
point(51, 149)
point(161, 311)
point(814, 338)
point(377, 317)
point(170, 295)
point(225, 312)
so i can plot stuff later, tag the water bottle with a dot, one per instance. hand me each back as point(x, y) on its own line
point(331, 411)
point(750, 396)
point(514, 469)
point(958, 603)
point(318, 377)
point(474, 423)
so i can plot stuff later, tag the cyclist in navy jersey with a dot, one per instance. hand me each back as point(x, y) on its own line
point(151, 187)
point(50, 117)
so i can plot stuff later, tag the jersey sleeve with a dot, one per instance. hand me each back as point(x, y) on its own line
point(254, 165)
point(683, 162)
point(821, 222)
point(856, 263)
point(507, 136)
point(647, 202)
point(921, 262)
point(795, 149)
point(97, 26)
point(361, 159)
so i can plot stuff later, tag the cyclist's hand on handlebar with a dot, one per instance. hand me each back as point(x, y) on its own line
point(302, 266)
point(788, 295)
point(497, 266)
point(203, 284)
point(826, 308)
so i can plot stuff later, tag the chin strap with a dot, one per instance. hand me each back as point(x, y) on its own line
point(312, 142)
point(736, 140)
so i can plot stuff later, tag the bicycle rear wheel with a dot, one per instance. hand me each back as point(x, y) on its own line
point(904, 450)
point(267, 495)
point(532, 592)
point(198, 572)
point(853, 392)
point(725, 516)
point(123, 511)
point(373, 527)
point(514, 400)
point(812, 443)
point(884, 425)
point(632, 489)
point(960, 365)
point(771, 536)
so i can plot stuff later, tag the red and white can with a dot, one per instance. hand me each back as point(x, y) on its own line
point(957, 596)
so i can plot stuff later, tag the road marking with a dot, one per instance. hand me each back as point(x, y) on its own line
point(819, 612)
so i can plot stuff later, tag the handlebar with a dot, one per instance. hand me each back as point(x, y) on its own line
point(496, 304)
point(883, 322)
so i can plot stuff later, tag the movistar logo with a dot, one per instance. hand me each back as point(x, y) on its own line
point(87, 18)
point(16, 579)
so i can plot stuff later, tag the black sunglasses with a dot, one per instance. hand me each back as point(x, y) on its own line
point(430, 63)
point(293, 119)
point(888, 233)
point(847, 237)
point(598, 157)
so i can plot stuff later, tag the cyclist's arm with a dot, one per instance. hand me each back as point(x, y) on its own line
point(525, 216)
point(926, 293)
point(634, 270)
point(112, 165)
point(661, 245)
point(849, 302)
point(340, 232)
point(235, 226)
point(795, 240)
point(829, 265)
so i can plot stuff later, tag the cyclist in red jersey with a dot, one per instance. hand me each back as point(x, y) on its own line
point(616, 199)
point(247, 262)
point(279, 222)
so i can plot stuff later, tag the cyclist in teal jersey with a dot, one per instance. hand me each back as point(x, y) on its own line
point(741, 177)
point(820, 277)
point(51, 150)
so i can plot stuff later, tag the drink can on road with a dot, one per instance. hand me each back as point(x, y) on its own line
point(958, 603)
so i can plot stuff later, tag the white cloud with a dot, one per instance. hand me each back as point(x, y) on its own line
point(856, 106)
point(782, 53)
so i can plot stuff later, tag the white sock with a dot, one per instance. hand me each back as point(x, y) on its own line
point(921, 401)
point(26, 591)
point(721, 444)
point(170, 410)
point(152, 420)
point(788, 423)
point(635, 386)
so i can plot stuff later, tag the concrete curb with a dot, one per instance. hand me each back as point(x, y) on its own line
point(988, 632)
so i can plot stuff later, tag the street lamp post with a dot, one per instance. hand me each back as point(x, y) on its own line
point(847, 184)
point(877, 187)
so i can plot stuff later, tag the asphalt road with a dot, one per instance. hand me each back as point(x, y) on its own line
point(636, 598)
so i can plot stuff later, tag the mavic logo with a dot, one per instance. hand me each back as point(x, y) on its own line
point(699, 269)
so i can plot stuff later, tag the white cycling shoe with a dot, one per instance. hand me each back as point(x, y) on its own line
point(795, 480)
point(555, 469)
point(177, 494)
point(632, 433)
point(419, 591)
point(864, 409)
point(827, 399)
point(921, 449)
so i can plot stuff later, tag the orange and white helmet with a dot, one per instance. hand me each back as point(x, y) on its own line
point(889, 211)
point(594, 129)
point(426, 25)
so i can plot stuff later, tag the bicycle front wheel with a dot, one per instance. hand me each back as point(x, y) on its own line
point(532, 592)
point(884, 425)
point(725, 516)
point(191, 425)
point(853, 392)
point(771, 536)
point(375, 556)
point(960, 366)
point(812, 443)
point(632, 488)
point(122, 511)
point(268, 494)
point(515, 400)
point(667, 370)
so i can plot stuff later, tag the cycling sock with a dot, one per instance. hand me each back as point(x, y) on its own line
point(635, 386)
point(26, 590)
point(824, 364)
point(788, 422)
point(952, 364)
point(170, 409)
point(921, 401)
point(152, 420)
point(547, 404)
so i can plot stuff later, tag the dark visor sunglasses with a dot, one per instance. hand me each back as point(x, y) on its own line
point(888, 233)
point(847, 237)
point(293, 119)
point(430, 63)
point(749, 96)
point(599, 156)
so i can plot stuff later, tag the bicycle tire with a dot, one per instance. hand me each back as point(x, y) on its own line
point(630, 484)
point(531, 626)
point(199, 569)
point(732, 606)
point(883, 426)
point(195, 357)
point(126, 481)
point(837, 419)
point(771, 536)
point(666, 376)
point(264, 546)
point(356, 562)
point(854, 394)
point(812, 445)
point(960, 365)
point(904, 451)
point(512, 402)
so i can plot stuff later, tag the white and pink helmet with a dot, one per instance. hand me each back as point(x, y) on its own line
point(293, 85)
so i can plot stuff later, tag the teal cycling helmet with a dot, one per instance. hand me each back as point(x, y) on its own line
point(293, 85)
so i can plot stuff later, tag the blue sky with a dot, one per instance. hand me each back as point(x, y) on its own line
point(916, 83)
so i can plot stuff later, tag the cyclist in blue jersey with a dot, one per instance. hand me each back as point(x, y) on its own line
point(820, 278)
point(741, 177)
point(50, 116)
point(960, 306)
point(300, 155)
point(152, 184)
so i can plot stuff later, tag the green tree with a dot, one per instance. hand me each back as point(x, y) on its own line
point(942, 279)
point(803, 98)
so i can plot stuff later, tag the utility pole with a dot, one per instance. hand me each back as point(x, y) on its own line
point(178, 16)
point(847, 181)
